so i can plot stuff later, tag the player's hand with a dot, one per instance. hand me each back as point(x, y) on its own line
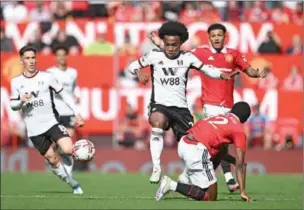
point(262, 73)
point(79, 120)
point(143, 77)
point(155, 39)
point(245, 197)
point(26, 97)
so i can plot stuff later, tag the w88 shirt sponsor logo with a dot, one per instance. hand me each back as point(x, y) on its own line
point(170, 78)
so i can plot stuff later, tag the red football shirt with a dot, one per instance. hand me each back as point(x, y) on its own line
point(216, 131)
point(220, 92)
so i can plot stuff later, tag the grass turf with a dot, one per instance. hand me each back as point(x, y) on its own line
point(133, 191)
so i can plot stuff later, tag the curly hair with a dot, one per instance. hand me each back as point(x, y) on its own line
point(173, 28)
point(216, 26)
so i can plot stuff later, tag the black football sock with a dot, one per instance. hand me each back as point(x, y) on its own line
point(192, 191)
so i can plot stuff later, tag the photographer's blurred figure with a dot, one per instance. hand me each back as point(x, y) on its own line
point(258, 129)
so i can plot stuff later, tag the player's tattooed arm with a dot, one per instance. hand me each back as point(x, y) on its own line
point(255, 73)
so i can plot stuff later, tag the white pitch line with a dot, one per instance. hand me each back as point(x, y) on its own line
point(75, 196)
point(126, 198)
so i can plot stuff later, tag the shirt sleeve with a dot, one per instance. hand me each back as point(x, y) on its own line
point(142, 62)
point(195, 62)
point(15, 99)
point(54, 84)
point(239, 140)
point(209, 70)
point(241, 62)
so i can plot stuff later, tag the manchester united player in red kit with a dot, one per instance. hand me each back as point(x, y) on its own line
point(217, 96)
point(204, 141)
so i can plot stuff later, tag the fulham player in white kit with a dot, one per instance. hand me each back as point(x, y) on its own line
point(32, 92)
point(67, 76)
point(169, 69)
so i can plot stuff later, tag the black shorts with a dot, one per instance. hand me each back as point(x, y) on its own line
point(43, 141)
point(67, 121)
point(180, 119)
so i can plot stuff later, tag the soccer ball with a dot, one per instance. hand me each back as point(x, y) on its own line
point(83, 150)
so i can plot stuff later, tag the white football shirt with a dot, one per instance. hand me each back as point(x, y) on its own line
point(68, 78)
point(39, 113)
point(169, 76)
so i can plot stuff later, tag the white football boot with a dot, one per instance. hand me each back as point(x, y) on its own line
point(163, 189)
point(77, 190)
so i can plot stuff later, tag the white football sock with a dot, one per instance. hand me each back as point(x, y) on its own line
point(67, 160)
point(173, 185)
point(228, 176)
point(61, 172)
point(156, 145)
point(68, 163)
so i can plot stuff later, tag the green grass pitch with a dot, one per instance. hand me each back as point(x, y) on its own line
point(133, 191)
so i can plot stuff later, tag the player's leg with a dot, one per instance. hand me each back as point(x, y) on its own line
point(60, 136)
point(45, 146)
point(184, 177)
point(69, 123)
point(198, 169)
point(210, 111)
point(159, 123)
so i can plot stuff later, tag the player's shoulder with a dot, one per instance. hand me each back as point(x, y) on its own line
point(51, 69)
point(45, 75)
point(153, 53)
point(17, 78)
point(233, 51)
point(72, 71)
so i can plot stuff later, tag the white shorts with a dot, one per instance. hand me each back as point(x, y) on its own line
point(198, 166)
point(213, 110)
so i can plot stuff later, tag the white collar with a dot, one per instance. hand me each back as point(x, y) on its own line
point(224, 50)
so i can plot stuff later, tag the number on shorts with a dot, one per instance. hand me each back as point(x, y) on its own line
point(217, 121)
point(63, 129)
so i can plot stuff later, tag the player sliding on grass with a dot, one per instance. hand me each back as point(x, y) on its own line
point(202, 142)
point(32, 92)
point(169, 69)
point(217, 95)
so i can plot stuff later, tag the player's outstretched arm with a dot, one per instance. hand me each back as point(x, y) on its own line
point(241, 173)
point(255, 73)
point(209, 70)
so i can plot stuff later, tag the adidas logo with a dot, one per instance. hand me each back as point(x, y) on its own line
point(161, 63)
point(210, 58)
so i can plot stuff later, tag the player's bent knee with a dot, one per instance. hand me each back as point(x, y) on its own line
point(52, 158)
point(158, 120)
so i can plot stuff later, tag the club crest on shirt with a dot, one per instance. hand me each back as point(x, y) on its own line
point(228, 58)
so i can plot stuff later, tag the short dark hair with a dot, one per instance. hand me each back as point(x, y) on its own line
point(216, 26)
point(173, 28)
point(27, 48)
point(61, 48)
point(241, 110)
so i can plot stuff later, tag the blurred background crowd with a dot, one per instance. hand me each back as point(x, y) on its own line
point(133, 129)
